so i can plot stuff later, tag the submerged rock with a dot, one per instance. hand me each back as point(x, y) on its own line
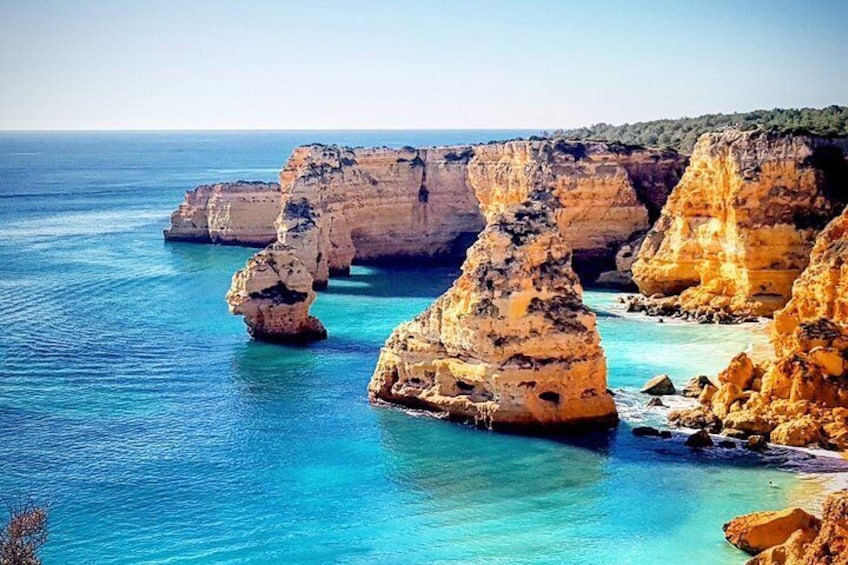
point(510, 344)
point(699, 439)
point(273, 292)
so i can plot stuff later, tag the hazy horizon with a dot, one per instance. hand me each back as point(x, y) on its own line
point(476, 65)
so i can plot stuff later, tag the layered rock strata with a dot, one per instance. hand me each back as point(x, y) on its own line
point(738, 228)
point(510, 344)
point(793, 537)
point(801, 397)
point(822, 289)
point(273, 293)
point(233, 213)
point(341, 205)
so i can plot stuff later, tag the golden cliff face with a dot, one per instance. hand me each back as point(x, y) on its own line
point(510, 344)
point(738, 228)
point(233, 213)
point(373, 204)
point(801, 397)
point(608, 192)
point(822, 289)
point(273, 292)
point(340, 205)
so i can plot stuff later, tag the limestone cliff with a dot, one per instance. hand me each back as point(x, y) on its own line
point(822, 289)
point(273, 292)
point(374, 204)
point(801, 397)
point(343, 204)
point(511, 344)
point(233, 213)
point(738, 228)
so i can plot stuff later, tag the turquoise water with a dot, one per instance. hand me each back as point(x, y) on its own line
point(157, 432)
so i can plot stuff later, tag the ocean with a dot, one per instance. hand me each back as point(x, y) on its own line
point(156, 431)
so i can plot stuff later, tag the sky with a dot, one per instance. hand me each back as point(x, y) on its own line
point(431, 64)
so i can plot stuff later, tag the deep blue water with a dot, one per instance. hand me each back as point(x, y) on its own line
point(139, 410)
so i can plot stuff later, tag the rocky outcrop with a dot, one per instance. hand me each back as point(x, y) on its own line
point(273, 292)
point(608, 192)
point(510, 344)
point(738, 228)
point(822, 289)
point(759, 531)
point(801, 397)
point(793, 537)
point(232, 213)
point(338, 205)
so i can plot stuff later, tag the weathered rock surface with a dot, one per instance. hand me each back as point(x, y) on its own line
point(793, 537)
point(273, 293)
point(822, 289)
point(800, 399)
point(738, 228)
point(510, 344)
point(232, 213)
point(759, 531)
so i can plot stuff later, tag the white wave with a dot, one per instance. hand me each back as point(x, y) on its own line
point(81, 223)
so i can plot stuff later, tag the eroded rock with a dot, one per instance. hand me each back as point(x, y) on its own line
point(510, 344)
point(273, 293)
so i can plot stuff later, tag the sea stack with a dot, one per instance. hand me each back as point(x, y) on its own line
point(510, 345)
point(273, 292)
point(738, 228)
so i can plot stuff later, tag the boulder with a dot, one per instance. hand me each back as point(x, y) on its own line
point(660, 385)
point(695, 386)
point(759, 531)
point(699, 439)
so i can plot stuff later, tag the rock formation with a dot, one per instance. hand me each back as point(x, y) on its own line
point(800, 398)
point(822, 289)
point(609, 193)
point(793, 537)
point(273, 292)
point(738, 228)
point(233, 213)
point(510, 344)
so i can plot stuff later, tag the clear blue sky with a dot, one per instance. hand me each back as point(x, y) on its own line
point(156, 64)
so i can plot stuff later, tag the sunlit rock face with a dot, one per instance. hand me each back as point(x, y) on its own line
point(822, 289)
point(510, 344)
point(339, 205)
point(793, 537)
point(738, 228)
point(799, 398)
point(273, 293)
point(233, 213)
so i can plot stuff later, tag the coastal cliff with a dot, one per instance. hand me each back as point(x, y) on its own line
point(232, 213)
point(510, 344)
point(738, 228)
point(822, 289)
point(339, 205)
point(801, 397)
